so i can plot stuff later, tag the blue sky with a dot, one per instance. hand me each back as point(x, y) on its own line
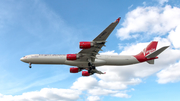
point(57, 27)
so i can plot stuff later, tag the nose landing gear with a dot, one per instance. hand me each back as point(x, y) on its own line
point(30, 65)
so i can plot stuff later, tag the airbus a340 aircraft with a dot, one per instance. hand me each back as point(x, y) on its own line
point(88, 58)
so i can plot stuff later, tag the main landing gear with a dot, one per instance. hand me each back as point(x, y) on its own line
point(30, 65)
point(91, 66)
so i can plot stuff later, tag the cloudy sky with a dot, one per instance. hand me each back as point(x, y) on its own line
point(57, 27)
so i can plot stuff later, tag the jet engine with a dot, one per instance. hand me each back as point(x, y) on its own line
point(72, 56)
point(85, 73)
point(85, 45)
point(74, 70)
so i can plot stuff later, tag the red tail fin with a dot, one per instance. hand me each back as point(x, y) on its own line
point(141, 57)
point(149, 49)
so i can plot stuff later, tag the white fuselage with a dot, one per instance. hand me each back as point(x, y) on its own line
point(61, 59)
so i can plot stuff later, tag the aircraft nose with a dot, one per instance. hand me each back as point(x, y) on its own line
point(22, 59)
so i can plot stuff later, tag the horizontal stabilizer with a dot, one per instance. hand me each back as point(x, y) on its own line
point(157, 52)
point(150, 61)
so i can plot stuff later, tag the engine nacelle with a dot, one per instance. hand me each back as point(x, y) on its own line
point(85, 45)
point(74, 70)
point(85, 73)
point(72, 56)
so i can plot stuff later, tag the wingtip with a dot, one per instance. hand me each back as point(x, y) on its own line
point(118, 19)
point(166, 46)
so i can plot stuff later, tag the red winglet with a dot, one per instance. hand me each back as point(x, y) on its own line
point(117, 20)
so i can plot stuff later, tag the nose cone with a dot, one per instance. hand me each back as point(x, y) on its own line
point(23, 59)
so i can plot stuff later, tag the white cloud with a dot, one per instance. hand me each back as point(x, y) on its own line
point(162, 1)
point(134, 49)
point(101, 91)
point(95, 87)
point(174, 36)
point(85, 83)
point(109, 53)
point(112, 85)
point(122, 95)
point(144, 3)
point(45, 94)
point(105, 86)
point(130, 6)
point(93, 98)
point(149, 20)
point(170, 74)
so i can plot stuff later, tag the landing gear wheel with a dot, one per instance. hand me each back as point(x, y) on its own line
point(93, 67)
point(29, 65)
point(89, 64)
point(90, 68)
point(89, 71)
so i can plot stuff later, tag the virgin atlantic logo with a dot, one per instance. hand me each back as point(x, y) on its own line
point(146, 52)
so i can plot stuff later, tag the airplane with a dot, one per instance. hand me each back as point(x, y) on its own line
point(89, 58)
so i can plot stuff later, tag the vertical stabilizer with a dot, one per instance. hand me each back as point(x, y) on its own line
point(149, 49)
point(141, 57)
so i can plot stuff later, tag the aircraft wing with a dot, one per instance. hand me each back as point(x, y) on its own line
point(99, 42)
